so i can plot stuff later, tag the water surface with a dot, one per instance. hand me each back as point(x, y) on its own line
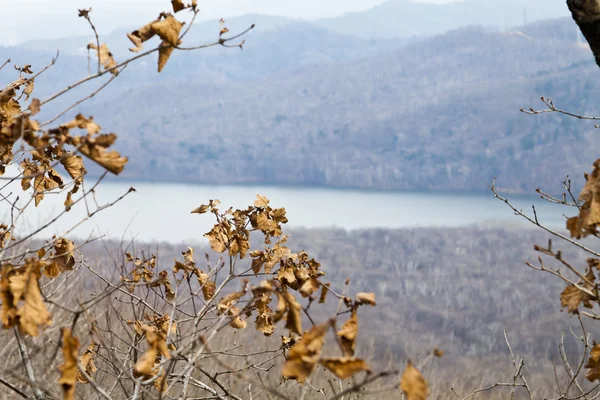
point(161, 211)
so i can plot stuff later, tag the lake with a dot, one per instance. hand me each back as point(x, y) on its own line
point(161, 211)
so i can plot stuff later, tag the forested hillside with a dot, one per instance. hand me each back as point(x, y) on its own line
point(321, 108)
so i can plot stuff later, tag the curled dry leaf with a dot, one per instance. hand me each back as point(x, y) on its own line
point(163, 280)
point(178, 5)
point(22, 285)
point(572, 296)
point(82, 122)
point(587, 221)
point(347, 335)
point(310, 286)
point(293, 320)
point(344, 367)
point(324, 291)
point(593, 364)
point(218, 237)
point(366, 298)
point(304, 355)
point(226, 305)
point(106, 57)
point(68, 370)
point(157, 345)
point(35, 106)
point(28, 89)
point(261, 201)
point(96, 150)
point(73, 164)
point(413, 384)
point(87, 362)
point(208, 286)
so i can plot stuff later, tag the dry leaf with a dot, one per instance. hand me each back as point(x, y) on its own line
point(106, 57)
point(177, 5)
point(261, 201)
point(304, 355)
point(138, 37)
point(293, 318)
point(366, 298)
point(19, 285)
point(168, 29)
point(344, 367)
point(589, 214)
point(164, 53)
point(347, 335)
point(324, 291)
point(157, 345)
point(413, 384)
point(68, 370)
point(571, 297)
point(73, 164)
point(593, 364)
point(310, 286)
point(87, 361)
point(208, 287)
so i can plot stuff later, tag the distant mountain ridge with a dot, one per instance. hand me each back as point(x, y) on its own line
point(391, 19)
point(405, 18)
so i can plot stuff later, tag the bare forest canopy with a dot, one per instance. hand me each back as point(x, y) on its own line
point(305, 105)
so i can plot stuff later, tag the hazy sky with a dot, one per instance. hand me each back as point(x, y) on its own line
point(33, 19)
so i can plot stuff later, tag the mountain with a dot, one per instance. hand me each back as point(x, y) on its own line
point(405, 18)
point(442, 114)
point(303, 105)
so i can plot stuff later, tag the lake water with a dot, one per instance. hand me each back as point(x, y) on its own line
point(161, 211)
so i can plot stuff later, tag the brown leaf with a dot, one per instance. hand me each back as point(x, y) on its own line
point(138, 37)
point(63, 258)
point(35, 106)
point(82, 122)
point(261, 201)
point(168, 29)
point(157, 345)
point(164, 53)
point(239, 245)
point(324, 291)
point(87, 361)
point(413, 384)
point(201, 210)
point(304, 355)
point(347, 335)
point(73, 164)
point(217, 238)
point(310, 286)
point(366, 298)
point(177, 5)
point(68, 370)
point(95, 149)
point(208, 286)
point(438, 353)
point(593, 364)
point(293, 320)
point(22, 285)
point(589, 214)
point(228, 301)
point(344, 367)
point(106, 57)
point(28, 89)
point(572, 296)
